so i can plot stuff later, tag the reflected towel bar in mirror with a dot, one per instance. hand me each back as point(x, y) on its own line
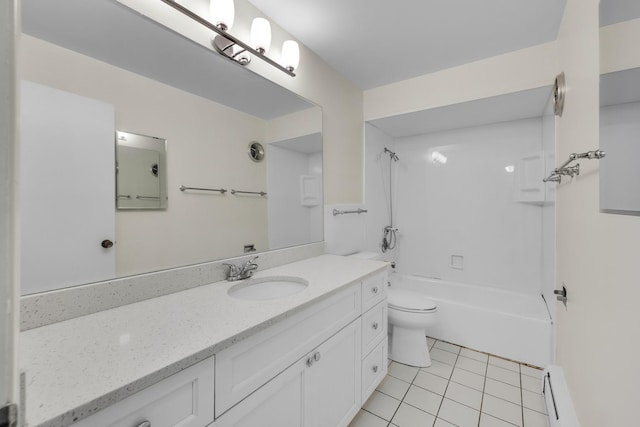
point(358, 211)
point(260, 193)
point(219, 190)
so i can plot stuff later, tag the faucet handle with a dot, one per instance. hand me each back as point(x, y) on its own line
point(233, 269)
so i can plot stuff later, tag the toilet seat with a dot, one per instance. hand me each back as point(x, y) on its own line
point(408, 301)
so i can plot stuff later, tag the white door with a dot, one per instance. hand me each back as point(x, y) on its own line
point(67, 189)
point(8, 285)
point(333, 381)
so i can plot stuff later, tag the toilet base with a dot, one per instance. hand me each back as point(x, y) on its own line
point(409, 347)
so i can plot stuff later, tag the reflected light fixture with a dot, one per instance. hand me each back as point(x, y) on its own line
point(438, 158)
point(221, 19)
point(290, 55)
point(222, 13)
point(261, 35)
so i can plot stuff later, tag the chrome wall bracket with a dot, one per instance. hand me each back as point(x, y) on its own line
point(570, 171)
point(561, 295)
point(564, 169)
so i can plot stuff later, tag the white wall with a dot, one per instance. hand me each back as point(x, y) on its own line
point(466, 207)
point(515, 71)
point(597, 253)
point(206, 147)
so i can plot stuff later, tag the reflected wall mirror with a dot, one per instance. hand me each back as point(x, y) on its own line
point(619, 107)
point(103, 67)
point(141, 171)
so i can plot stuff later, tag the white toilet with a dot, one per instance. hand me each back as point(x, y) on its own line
point(410, 313)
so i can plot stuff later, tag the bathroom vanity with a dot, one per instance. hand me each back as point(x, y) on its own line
point(202, 357)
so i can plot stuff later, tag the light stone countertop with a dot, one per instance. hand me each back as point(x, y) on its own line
point(77, 367)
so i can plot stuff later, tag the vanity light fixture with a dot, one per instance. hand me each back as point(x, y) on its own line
point(290, 55)
point(222, 15)
point(261, 35)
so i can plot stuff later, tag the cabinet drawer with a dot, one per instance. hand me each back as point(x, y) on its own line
point(248, 364)
point(184, 399)
point(374, 290)
point(374, 326)
point(374, 369)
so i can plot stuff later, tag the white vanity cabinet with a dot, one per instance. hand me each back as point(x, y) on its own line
point(321, 389)
point(374, 333)
point(324, 387)
point(184, 399)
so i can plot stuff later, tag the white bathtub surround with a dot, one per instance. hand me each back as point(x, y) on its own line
point(56, 306)
point(460, 220)
point(462, 387)
point(84, 364)
point(509, 324)
point(557, 398)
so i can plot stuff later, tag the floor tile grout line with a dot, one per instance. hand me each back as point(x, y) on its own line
point(521, 396)
point(446, 388)
point(484, 386)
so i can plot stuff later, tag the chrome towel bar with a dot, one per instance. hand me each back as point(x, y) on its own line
point(219, 190)
point(260, 193)
point(358, 211)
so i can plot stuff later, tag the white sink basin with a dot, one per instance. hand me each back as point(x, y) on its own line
point(265, 288)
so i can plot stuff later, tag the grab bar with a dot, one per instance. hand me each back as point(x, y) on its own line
point(219, 190)
point(261, 193)
point(358, 211)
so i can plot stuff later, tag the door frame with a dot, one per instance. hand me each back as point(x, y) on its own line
point(9, 284)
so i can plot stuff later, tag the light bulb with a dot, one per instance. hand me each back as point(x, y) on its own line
point(290, 55)
point(261, 35)
point(222, 13)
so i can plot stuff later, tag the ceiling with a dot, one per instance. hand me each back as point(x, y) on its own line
point(374, 42)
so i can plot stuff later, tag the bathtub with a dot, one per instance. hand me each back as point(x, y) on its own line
point(508, 324)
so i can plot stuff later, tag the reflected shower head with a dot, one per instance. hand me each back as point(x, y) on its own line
point(393, 155)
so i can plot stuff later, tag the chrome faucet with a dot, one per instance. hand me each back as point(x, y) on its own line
point(243, 271)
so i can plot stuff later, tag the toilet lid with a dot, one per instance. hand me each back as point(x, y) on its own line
point(408, 300)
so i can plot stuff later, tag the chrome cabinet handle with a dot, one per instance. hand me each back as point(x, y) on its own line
point(374, 289)
point(144, 424)
point(310, 361)
point(374, 368)
point(316, 356)
point(375, 326)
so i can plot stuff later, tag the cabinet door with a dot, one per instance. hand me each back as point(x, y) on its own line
point(333, 379)
point(277, 403)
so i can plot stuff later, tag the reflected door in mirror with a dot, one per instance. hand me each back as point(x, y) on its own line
point(64, 220)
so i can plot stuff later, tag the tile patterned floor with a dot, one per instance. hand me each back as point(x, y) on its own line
point(461, 388)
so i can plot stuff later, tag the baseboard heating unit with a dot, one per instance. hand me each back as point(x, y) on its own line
point(557, 398)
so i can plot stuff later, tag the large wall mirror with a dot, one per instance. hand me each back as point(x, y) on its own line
point(89, 69)
point(620, 106)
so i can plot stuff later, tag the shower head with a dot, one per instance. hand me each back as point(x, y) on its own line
point(393, 155)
